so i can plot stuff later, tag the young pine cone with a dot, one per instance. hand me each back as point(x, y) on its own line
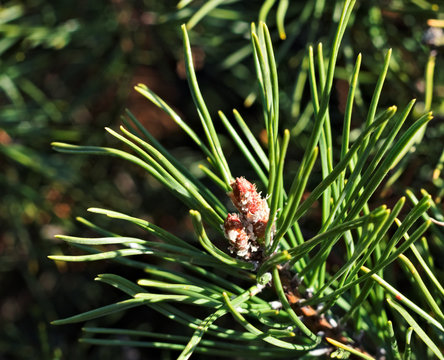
point(245, 229)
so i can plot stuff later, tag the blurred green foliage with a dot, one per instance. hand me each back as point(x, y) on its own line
point(66, 70)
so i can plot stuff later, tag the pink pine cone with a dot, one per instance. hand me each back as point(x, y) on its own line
point(236, 234)
point(250, 204)
point(244, 229)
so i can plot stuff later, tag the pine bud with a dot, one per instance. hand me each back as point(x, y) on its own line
point(250, 204)
point(236, 235)
point(244, 229)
